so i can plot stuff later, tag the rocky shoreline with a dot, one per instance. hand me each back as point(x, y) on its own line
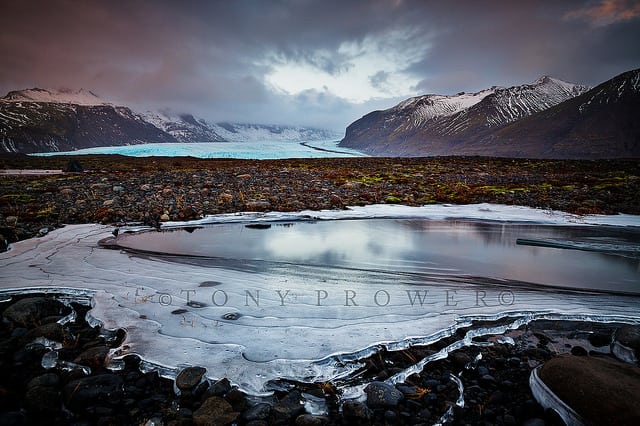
point(115, 189)
point(55, 368)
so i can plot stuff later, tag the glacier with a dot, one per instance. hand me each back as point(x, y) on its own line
point(258, 326)
point(256, 150)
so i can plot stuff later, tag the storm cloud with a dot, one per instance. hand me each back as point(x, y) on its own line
point(320, 63)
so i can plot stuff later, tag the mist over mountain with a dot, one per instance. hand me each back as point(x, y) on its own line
point(548, 118)
point(46, 120)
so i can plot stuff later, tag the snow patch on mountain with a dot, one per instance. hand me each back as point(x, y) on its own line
point(187, 128)
point(62, 96)
point(513, 103)
point(427, 107)
point(241, 132)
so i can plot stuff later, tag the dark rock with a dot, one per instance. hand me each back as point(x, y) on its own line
point(460, 359)
point(626, 343)
point(189, 377)
point(214, 411)
point(237, 399)
point(73, 166)
point(30, 311)
point(487, 379)
point(514, 361)
point(534, 422)
point(289, 407)
point(483, 371)
point(381, 394)
point(599, 339)
point(43, 399)
point(579, 351)
point(260, 411)
point(87, 390)
point(356, 411)
point(601, 390)
point(93, 357)
point(219, 388)
point(311, 420)
point(52, 331)
point(48, 379)
point(12, 418)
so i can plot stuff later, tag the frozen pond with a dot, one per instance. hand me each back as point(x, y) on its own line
point(594, 258)
point(305, 296)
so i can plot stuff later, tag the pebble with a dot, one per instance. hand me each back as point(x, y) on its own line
point(189, 377)
point(214, 411)
point(381, 394)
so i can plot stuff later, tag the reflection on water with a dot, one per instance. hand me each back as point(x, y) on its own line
point(598, 258)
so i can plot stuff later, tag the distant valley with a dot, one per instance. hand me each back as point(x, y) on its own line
point(41, 120)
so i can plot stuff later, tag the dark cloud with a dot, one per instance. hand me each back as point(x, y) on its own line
point(212, 57)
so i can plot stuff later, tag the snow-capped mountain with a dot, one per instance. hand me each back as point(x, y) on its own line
point(187, 128)
point(63, 96)
point(184, 127)
point(47, 120)
point(601, 123)
point(241, 132)
point(40, 120)
point(427, 125)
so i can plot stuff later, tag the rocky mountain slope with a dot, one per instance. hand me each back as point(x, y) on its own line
point(39, 120)
point(548, 118)
point(601, 123)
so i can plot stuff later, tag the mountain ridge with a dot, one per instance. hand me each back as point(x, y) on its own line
point(50, 120)
point(401, 129)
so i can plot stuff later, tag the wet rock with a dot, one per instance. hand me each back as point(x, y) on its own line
point(29, 312)
point(381, 394)
point(11, 220)
point(164, 218)
point(118, 188)
point(214, 411)
point(189, 377)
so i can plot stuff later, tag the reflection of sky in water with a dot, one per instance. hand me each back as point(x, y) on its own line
point(418, 246)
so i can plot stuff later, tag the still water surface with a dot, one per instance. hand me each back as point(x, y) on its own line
point(576, 257)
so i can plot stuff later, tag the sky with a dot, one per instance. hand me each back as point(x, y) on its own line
point(318, 63)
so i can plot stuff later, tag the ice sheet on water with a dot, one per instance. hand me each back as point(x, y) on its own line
point(173, 317)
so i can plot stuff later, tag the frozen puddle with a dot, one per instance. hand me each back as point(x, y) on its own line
point(260, 297)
